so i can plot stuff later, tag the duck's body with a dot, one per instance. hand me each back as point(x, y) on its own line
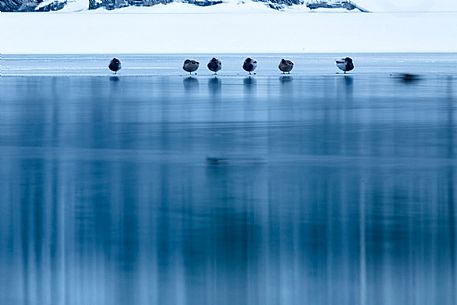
point(249, 65)
point(190, 65)
point(345, 64)
point(214, 65)
point(285, 66)
point(115, 65)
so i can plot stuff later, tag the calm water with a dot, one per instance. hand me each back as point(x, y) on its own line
point(155, 188)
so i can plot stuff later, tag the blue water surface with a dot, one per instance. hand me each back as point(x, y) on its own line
point(152, 187)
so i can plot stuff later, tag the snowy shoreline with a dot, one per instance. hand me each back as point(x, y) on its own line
point(254, 31)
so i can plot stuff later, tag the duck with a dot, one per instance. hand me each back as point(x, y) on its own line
point(190, 66)
point(345, 64)
point(249, 65)
point(214, 65)
point(115, 65)
point(285, 66)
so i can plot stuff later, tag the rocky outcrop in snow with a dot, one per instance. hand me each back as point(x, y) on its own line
point(54, 5)
point(280, 4)
point(17, 5)
point(31, 5)
point(113, 4)
point(343, 4)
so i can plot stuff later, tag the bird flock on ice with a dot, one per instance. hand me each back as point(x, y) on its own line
point(249, 65)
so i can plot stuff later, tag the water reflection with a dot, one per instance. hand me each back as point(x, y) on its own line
point(249, 85)
point(249, 81)
point(451, 182)
point(287, 88)
point(409, 77)
point(346, 87)
point(285, 79)
point(190, 84)
point(114, 78)
point(309, 201)
point(214, 85)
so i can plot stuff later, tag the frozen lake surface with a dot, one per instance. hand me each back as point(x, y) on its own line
point(155, 188)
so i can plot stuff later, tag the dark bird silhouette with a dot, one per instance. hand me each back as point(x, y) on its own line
point(115, 65)
point(214, 65)
point(190, 66)
point(285, 66)
point(249, 65)
point(345, 64)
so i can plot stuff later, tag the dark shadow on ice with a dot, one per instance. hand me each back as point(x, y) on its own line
point(114, 78)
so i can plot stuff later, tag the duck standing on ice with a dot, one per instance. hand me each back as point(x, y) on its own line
point(285, 66)
point(214, 65)
point(249, 65)
point(115, 65)
point(345, 64)
point(190, 66)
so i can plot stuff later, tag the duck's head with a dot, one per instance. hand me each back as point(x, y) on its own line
point(348, 59)
point(249, 59)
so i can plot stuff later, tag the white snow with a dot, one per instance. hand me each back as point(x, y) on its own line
point(76, 6)
point(408, 5)
point(230, 27)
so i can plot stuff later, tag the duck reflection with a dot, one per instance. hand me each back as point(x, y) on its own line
point(214, 85)
point(249, 84)
point(285, 79)
point(346, 87)
point(190, 84)
point(286, 86)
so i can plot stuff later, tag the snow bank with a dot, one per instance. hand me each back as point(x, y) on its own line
point(408, 5)
point(181, 28)
point(76, 6)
